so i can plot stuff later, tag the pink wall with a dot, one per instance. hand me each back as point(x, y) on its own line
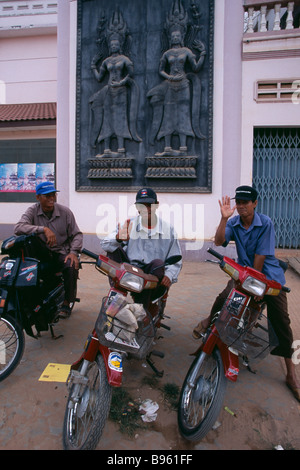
point(28, 68)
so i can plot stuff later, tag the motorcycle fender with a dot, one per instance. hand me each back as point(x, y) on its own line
point(114, 365)
point(112, 360)
point(91, 349)
point(211, 341)
point(230, 362)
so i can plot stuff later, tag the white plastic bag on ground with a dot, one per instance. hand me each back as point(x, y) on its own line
point(148, 409)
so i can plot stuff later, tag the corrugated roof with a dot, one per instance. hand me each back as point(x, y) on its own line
point(27, 111)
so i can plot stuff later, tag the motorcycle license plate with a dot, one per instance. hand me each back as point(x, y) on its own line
point(236, 302)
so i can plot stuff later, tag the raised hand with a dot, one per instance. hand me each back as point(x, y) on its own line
point(124, 231)
point(225, 206)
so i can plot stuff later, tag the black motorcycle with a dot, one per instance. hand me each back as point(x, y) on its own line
point(31, 293)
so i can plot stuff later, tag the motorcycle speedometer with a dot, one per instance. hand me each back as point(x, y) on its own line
point(132, 282)
point(254, 286)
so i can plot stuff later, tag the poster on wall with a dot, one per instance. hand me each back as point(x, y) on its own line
point(45, 172)
point(26, 177)
point(23, 177)
point(9, 177)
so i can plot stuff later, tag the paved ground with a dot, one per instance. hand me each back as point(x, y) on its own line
point(32, 411)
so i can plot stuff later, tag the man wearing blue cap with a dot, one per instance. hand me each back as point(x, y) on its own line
point(56, 226)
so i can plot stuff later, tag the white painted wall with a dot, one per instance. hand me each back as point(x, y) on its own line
point(265, 114)
point(198, 213)
point(28, 69)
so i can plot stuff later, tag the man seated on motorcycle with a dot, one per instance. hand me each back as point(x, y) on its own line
point(56, 226)
point(254, 237)
point(146, 241)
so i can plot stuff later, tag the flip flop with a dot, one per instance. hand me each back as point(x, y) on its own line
point(295, 391)
point(65, 312)
point(199, 331)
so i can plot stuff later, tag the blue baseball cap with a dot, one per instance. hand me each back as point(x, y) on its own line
point(45, 188)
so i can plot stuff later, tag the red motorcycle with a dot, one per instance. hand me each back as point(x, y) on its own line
point(240, 328)
point(122, 329)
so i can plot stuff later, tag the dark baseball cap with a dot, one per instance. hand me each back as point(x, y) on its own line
point(45, 188)
point(245, 193)
point(146, 196)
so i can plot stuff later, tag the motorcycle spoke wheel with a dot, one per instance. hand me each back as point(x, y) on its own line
point(200, 404)
point(12, 343)
point(87, 409)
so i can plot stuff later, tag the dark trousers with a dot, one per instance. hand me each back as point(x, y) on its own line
point(56, 263)
point(70, 275)
point(277, 311)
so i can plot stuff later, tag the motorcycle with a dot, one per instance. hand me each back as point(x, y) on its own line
point(31, 293)
point(239, 329)
point(122, 329)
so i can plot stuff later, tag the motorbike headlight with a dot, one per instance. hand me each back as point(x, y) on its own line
point(132, 282)
point(254, 286)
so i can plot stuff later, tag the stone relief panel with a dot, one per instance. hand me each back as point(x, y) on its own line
point(144, 95)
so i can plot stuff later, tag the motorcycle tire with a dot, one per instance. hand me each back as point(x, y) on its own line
point(199, 406)
point(87, 409)
point(12, 344)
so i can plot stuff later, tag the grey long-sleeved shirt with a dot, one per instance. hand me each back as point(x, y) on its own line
point(148, 244)
point(62, 223)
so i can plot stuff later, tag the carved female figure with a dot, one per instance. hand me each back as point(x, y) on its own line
point(109, 106)
point(174, 112)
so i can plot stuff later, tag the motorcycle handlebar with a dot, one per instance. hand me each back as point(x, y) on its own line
point(220, 257)
point(215, 253)
point(90, 254)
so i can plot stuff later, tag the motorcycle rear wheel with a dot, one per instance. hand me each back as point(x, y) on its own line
point(12, 344)
point(87, 409)
point(200, 405)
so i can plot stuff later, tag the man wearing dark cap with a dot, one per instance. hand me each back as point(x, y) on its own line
point(254, 236)
point(145, 238)
point(56, 226)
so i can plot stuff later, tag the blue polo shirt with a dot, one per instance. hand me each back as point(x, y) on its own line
point(258, 239)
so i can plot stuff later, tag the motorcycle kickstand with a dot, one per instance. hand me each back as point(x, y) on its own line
point(53, 336)
point(151, 363)
point(246, 363)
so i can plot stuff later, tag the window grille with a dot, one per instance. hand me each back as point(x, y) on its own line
point(276, 176)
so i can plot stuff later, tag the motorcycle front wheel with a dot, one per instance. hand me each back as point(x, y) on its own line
point(201, 401)
point(12, 343)
point(87, 408)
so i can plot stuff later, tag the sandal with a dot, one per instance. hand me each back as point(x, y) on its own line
point(199, 331)
point(65, 311)
point(295, 391)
